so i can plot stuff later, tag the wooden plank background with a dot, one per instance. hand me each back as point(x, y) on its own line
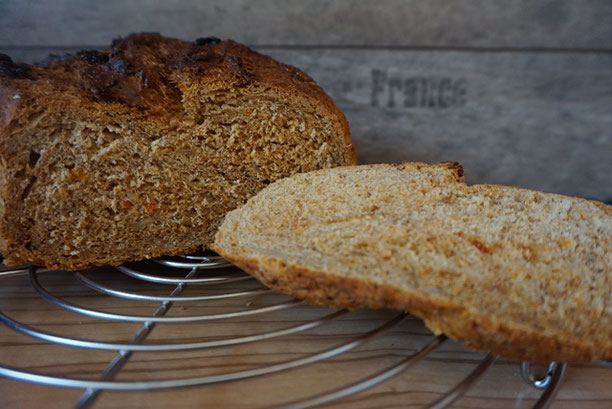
point(519, 92)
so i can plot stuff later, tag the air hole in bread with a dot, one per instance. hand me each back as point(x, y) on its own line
point(34, 157)
point(28, 188)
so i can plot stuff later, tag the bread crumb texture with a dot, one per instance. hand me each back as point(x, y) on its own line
point(524, 274)
point(139, 150)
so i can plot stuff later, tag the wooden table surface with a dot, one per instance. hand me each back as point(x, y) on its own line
point(586, 386)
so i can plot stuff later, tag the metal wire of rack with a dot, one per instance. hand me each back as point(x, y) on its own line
point(208, 271)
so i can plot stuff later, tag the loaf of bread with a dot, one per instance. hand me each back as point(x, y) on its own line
point(524, 274)
point(139, 150)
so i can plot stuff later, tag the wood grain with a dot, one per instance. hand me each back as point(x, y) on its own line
point(440, 23)
point(531, 119)
point(587, 386)
point(518, 92)
point(536, 120)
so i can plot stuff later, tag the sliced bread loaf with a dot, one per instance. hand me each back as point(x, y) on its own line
point(524, 274)
point(139, 150)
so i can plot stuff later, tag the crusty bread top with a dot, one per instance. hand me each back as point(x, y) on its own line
point(524, 274)
point(147, 75)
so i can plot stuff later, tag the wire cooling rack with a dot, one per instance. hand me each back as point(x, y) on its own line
point(206, 292)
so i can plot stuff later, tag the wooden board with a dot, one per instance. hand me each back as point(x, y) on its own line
point(519, 93)
point(586, 386)
point(536, 120)
point(531, 119)
point(440, 23)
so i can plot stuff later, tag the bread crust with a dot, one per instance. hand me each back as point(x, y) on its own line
point(153, 82)
point(141, 75)
point(477, 329)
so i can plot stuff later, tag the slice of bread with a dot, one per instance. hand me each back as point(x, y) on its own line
point(139, 150)
point(524, 274)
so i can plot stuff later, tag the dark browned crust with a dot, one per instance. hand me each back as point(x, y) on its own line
point(457, 169)
point(477, 331)
point(146, 74)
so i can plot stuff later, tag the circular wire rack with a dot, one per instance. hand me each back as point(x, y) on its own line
point(203, 273)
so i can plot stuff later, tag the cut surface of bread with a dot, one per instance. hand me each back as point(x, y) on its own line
point(524, 274)
point(139, 150)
